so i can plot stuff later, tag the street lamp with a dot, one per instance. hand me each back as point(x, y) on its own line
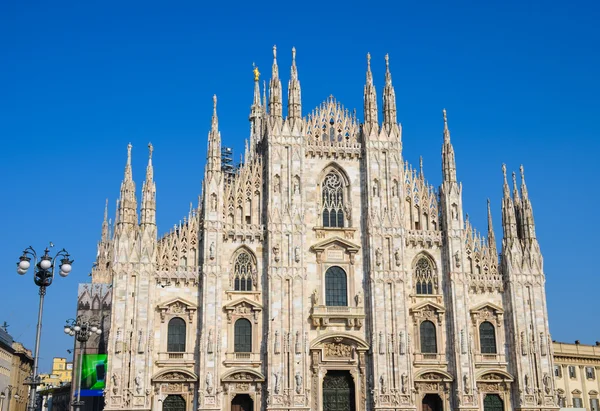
point(43, 274)
point(82, 330)
point(3, 395)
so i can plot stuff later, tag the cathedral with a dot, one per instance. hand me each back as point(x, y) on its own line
point(324, 273)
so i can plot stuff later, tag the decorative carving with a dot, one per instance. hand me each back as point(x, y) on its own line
point(378, 255)
point(296, 185)
point(211, 251)
point(297, 254)
point(298, 378)
point(547, 383)
point(141, 345)
point(276, 347)
point(523, 344)
point(209, 383)
point(382, 384)
point(404, 383)
point(277, 382)
point(527, 387)
point(457, 259)
point(467, 384)
point(381, 343)
point(276, 184)
point(542, 344)
point(298, 345)
point(315, 297)
point(358, 298)
point(209, 343)
point(397, 257)
point(337, 349)
point(276, 253)
point(402, 343)
point(138, 383)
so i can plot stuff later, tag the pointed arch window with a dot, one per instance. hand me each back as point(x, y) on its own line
point(333, 200)
point(487, 338)
point(336, 287)
point(243, 272)
point(176, 335)
point(424, 276)
point(242, 336)
point(428, 338)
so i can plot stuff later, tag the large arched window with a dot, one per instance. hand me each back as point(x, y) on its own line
point(333, 200)
point(336, 287)
point(242, 336)
point(428, 338)
point(487, 338)
point(242, 272)
point(424, 276)
point(176, 335)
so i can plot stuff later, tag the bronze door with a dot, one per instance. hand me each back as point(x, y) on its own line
point(338, 391)
point(492, 402)
point(174, 403)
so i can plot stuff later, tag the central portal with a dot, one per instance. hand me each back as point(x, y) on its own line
point(432, 402)
point(338, 391)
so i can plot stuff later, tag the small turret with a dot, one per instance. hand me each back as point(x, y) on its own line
point(275, 99)
point(370, 101)
point(127, 210)
point(256, 113)
point(105, 230)
point(294, 95)
point(448, 161)
point(149, 193)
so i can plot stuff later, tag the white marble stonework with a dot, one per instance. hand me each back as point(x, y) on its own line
point(326, 273)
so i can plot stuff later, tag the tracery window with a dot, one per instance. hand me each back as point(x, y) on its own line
point(336, 287)
point(242, 336)
point(176, 335)
point(333, 200)
point(424, 276)
point(487, 338)
point(428, 338)
point(242, 272)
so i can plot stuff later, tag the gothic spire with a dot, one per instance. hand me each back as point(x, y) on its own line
point(256, 113)
point(448, 161)
point(294, 95)
point(527, 222)
point(370, 101)
point(149, 193)
point(105, 233)
point(214, 141)
point(491, 235)
point(128, 203)
point(389, 98)
point(509, 219)
point(275, 88)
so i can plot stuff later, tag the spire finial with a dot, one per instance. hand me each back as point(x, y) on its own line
point(256, 72)
point(514, 178)
point(274, 53)
point(294, 55)
point(445, 118)
point(150, 149)
point(504, 172)
point(106, 211)
point(129, 146)
point(522, 169)
point(214, 104)
point(421, 165)
point(387, 61)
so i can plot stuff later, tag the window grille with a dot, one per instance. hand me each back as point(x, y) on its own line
point(176, 335)
point(336, 287)
point(242, 336)
point(428, 338)
point(487, 338)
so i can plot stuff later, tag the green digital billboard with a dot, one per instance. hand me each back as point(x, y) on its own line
point(93, 374)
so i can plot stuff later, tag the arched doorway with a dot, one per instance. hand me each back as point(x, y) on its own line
point(432, 402)
point(174, 403)
point(493, 402)
point(338, 391)
point(242, 402)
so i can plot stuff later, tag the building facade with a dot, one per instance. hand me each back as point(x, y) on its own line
point(60, 374)
point(6, 360)
point(22, 367)
point(577, 375)
point(324, 273)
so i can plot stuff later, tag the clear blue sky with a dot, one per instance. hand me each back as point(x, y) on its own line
point(80, 80)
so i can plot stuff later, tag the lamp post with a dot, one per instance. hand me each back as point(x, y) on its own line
point(43, 274)
point(82, 330)
point(4, 395)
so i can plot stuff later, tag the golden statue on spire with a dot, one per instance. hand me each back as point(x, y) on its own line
point(256, 72)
